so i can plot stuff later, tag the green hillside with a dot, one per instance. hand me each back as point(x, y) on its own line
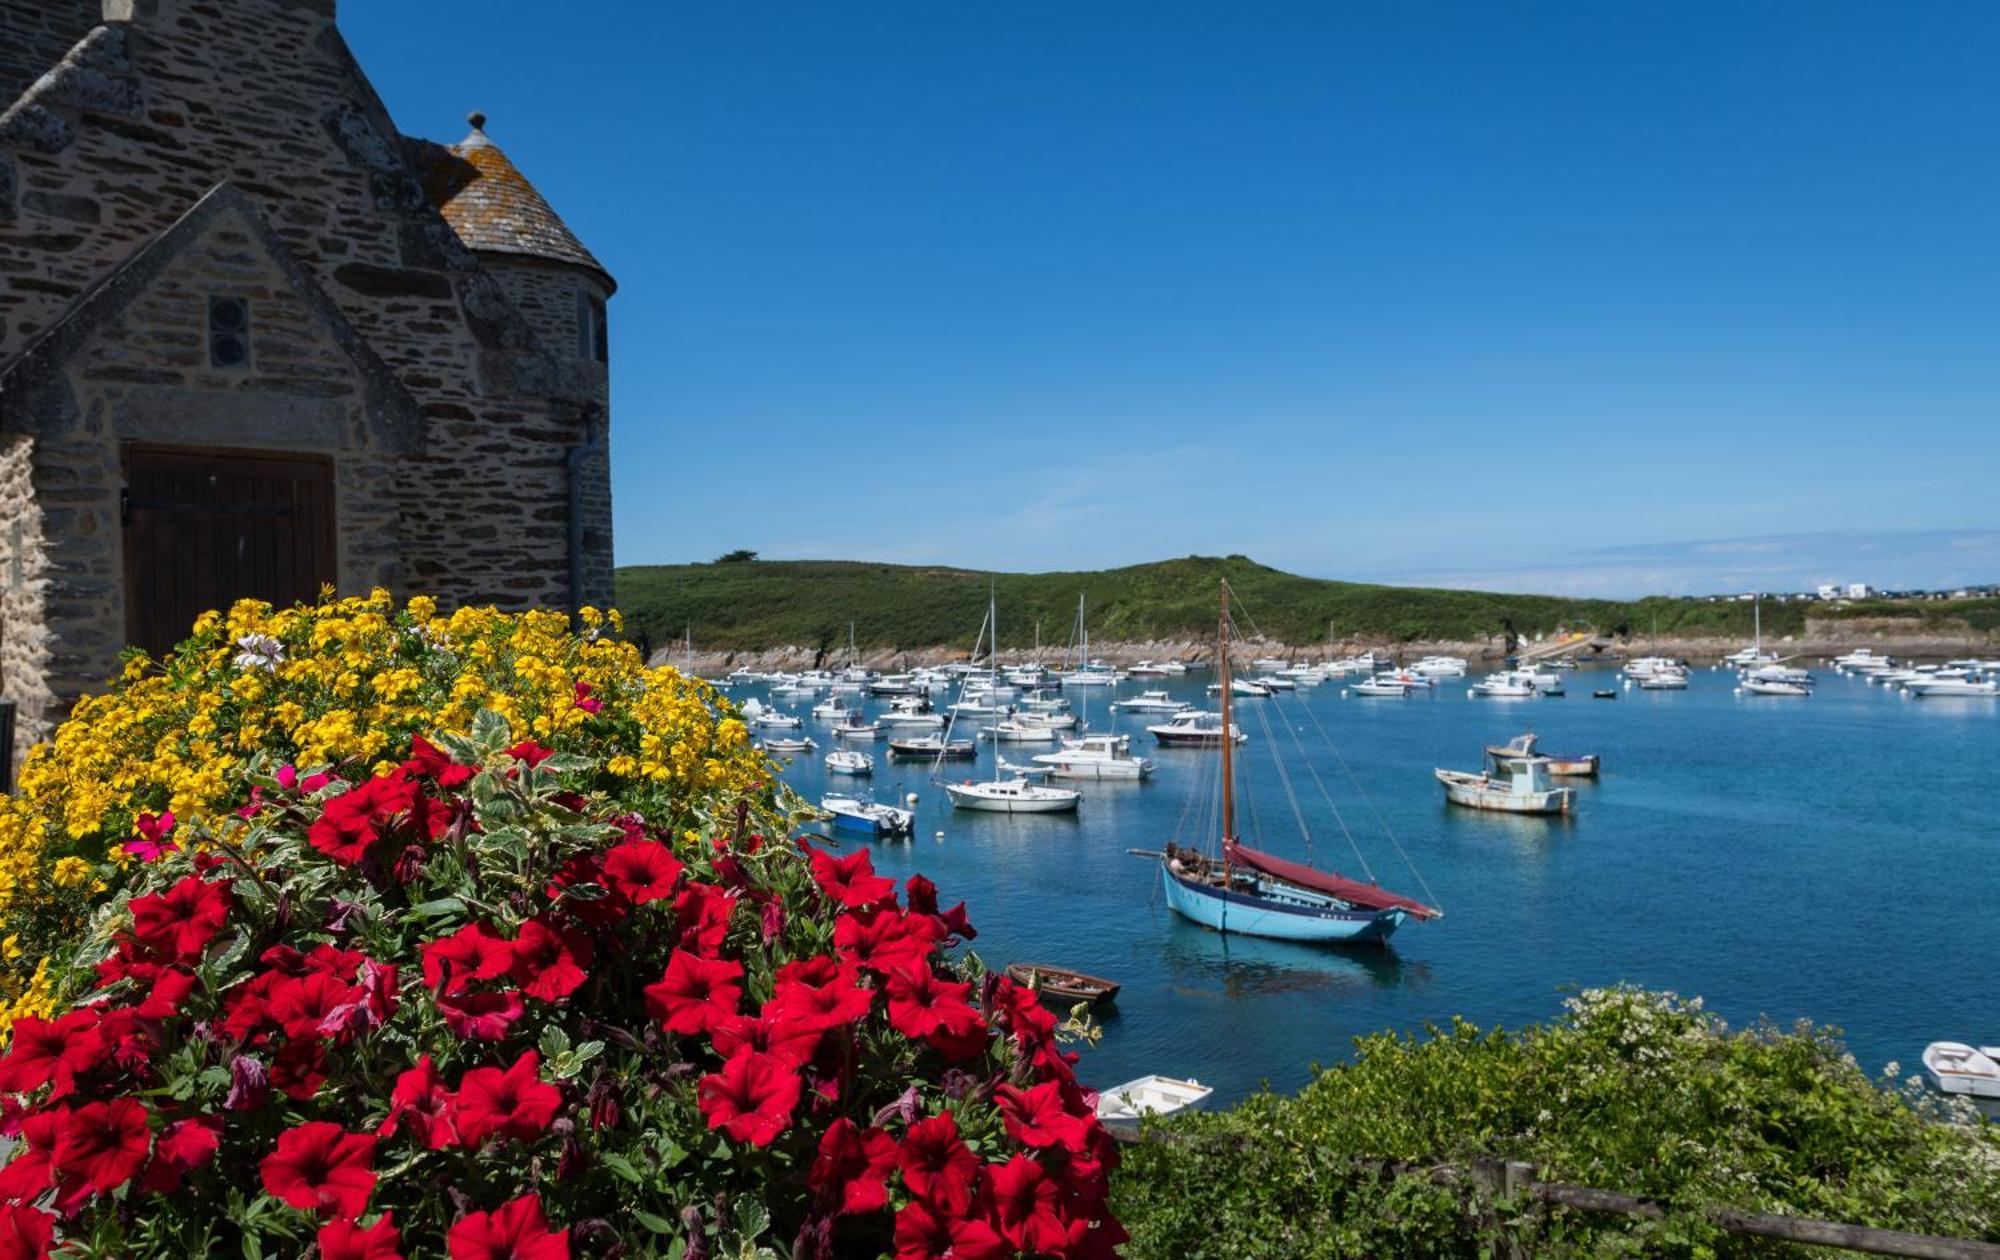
point(753, 604)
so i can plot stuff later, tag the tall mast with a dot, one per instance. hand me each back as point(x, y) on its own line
point(1228, 743)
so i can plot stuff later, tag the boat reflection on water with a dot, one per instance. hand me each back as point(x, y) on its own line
point(1202, 963)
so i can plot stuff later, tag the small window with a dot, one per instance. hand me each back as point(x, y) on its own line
point(592, 332)
point(229, 332)
point(600, 331)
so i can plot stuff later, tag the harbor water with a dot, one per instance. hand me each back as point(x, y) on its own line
point(1835, 858)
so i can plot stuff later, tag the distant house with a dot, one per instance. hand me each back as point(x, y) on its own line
point(1829, 590)
point(1859, 590)
point(254, 340)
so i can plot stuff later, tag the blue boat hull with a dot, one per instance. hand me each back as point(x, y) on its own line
point(865, 826)
point(1300, 919)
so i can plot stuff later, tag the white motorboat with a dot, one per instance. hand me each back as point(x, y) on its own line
point(1862, 659)
point(1441, 667)
point(1150, 702)
point(1043, 702)
point(1276, 682)
point(1270, 663)
point(1019, 732)
point(832, 709)
point(1195, 727)
point(1503, 687)
point(975, 706)
point(772, 719)
point(851, 813)
point(1122, 1107)
point(1780, 673)
point(1753, 686)
point(1513, 785)
point(1928, 687)
point(1240, 687)
point(1384, 685)
point(1094, 757)
point(1053, 721)
point(788, 746)
point(856, 727)
point(1956, 1068)
point(849, 761)
point(934, 747)
point(1647, 666)
point(1012, 796)
point(910, 720)
point(1667, 676)
point(1147, 669)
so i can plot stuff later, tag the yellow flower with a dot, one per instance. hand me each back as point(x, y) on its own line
point(69, 872)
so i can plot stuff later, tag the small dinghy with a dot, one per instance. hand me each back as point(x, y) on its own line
point(848, 761)
point(851, 813)
point(774, 720)
point(1120, 1108)
point(786, 745)
point(1060, 983)
point(856, 728)
point(1604, 693)
point(1956, 1068)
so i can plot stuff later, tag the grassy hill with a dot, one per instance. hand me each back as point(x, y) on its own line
point(754, 604)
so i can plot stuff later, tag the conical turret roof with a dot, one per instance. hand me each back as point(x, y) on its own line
point(494, 208)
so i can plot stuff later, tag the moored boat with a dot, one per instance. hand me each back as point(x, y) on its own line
point(1150, 702)
point(1063, 984)
point(1122, 1107)
point(848, 761)
point(935, 747)
point(1196, 727)
point(1012, 796)
point(1562, 767)
point(1956, 1068)
point(1516, 785)
point(784, 744)
point(853, 813)
point(1095, 757)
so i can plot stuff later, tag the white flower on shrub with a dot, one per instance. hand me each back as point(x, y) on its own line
point(260, 651)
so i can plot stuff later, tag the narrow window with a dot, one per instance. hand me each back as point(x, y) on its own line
point(600, 332)
point(229, 332)
point(586, 328)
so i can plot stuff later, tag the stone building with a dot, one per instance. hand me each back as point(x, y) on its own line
point(253, 340)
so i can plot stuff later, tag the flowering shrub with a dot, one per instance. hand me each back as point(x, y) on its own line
point(469, 1003)
point(383, 933)
point(344, 683)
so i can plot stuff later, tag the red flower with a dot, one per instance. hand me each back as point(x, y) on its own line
point(102, 1145)
point(922, 897)
point(883, 940)
point(923, 1006)
point(530, 754)
point(515, 1103)
point(704, 912)
point(583, 699)
point(154, 834)
point(30, 1171)
point(1025, 1205)
point(924, 1233)
point(180, 922)
point(771, 1032)
point(183, 1147)
point(851, 881)
point(469, 954)
point(831, 1003)
point(642, 870)
point(751, 1098)
point(344, 1240)
point(601, 908)
point(25, 1233)
point(482, 1016)
point(513, 1231)
point(427, 761)
point(549, 959)
point(299, 1069)
point(304, 1007)
point(354, 822)
point(938, 1166)
point(421, 1100)
point(320, 1166)
point(1036, 1117)
point(853, 1167)
point(44, 1052)
point(695, 993)
point(169, 990)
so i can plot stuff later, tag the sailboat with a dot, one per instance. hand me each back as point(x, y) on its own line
point(1003, 795)
point(1254, 893)
point(1754, 655)
point(1086, 672)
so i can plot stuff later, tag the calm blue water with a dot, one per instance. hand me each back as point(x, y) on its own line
point(1836, 858)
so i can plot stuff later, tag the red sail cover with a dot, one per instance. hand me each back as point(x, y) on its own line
point(1373, 896)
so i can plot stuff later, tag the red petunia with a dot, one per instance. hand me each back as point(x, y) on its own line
point(924, 1233)
point(830, 1003)
point(922, 1006)
point(938, 1166)
point(345, 1240)
point(482, 1016)
point(851, 881)
point(583, 699)
point(852, 1168)
point(164, 997)
point(704, 912)
point(1026, 1205)
point(921, 895)
point(102, 1145)
point(180, 922)
point(530, 754)
point(772, 1032)
point(1038, 1118)
point(182, 1147)
point(319, 1166)
point(549, 959)
point(155, 832)
point(883, 940)
point(515, 1103)
point(25, 1233)
point(303, 1006)
point(30, 1171)
point(427, 761)
point(695, 993)
point(751, 1098)
point(642, 870)
point(469, 954)
point(383, 808)
point(46, 1052)
point(299, 1069)
point(513, 1231)
point(421, 1101)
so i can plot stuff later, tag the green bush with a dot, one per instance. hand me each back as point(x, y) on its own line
point(1633, 1092)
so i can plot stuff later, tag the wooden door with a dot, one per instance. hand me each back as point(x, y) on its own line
point(205, 528)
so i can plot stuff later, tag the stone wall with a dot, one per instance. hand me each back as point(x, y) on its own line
point(23, 638)
point(34, 35)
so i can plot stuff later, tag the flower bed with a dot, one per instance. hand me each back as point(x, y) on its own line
point(487, 992)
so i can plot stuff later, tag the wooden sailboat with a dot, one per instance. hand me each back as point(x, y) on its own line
point(1259, 894)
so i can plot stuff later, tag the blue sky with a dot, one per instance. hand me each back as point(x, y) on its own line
point(1578, 297)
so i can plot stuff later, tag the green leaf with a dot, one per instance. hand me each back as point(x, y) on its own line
point(658, 1224)
point(622, 1167)
point(437, 909)
point(554, 1042)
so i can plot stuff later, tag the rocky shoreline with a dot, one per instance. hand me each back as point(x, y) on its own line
point(1817, 645)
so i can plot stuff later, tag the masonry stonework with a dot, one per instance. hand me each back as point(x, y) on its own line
point(419, 320)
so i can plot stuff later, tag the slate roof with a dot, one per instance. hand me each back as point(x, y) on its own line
point(493, 207)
